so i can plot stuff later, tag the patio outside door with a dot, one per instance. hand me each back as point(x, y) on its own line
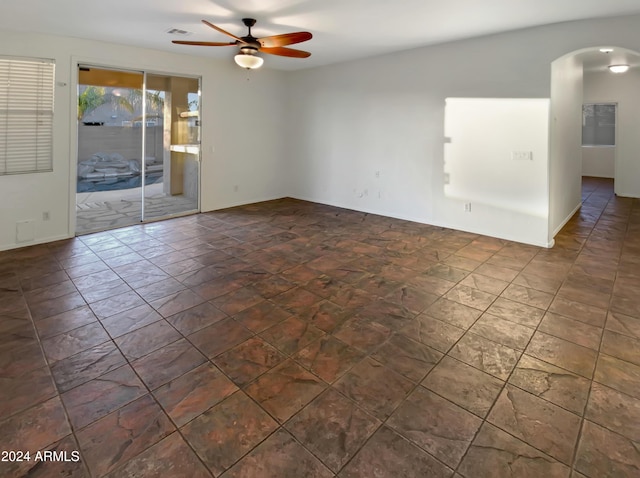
point(173, 135)
point(138, 148)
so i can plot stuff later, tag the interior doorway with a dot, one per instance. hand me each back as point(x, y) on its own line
point(138, 147)
point(580, 78)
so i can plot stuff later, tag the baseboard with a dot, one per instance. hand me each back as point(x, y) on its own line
point(566, 220)
point(228, 205)
point(505, 237)
point(625, 195)
point(44, 240)
point(364, 210)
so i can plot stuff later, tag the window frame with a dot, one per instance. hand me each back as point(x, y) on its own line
point(615, 125)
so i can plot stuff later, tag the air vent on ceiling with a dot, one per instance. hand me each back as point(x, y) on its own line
point(178, 31)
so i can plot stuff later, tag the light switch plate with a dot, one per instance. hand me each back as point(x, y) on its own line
point(522, 155)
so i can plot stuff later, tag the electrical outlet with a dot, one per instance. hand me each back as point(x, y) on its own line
point(235, 188)
point(378, 174)
point(46, 216)
point(467, 207)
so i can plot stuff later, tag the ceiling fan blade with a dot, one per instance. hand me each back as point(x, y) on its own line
point(203, 43)
point(285, 39)
point(282, 51)
point(223, 31)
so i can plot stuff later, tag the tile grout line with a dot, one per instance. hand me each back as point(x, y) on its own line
point(505, 382)
point(604, 325)
point(576, 446)
point(56, 388)
point(290, 356)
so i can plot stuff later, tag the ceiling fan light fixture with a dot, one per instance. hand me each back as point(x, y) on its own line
point(619, 68)
point(247, 58)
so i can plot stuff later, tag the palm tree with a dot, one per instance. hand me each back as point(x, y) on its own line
point(90, 99)
point(94, 96)
point(154, 100)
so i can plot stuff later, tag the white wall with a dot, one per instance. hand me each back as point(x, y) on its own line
point(565, 166)
point(322, 134)
point(598, 161)
point(624, 89)
point(242, 139)
point(486, 139)
point(386, 114)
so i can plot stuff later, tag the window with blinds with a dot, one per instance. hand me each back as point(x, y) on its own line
point(599, 124)
point(26, 115)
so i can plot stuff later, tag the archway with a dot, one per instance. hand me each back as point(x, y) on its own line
point(580, 77)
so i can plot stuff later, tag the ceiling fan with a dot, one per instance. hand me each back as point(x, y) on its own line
point(250, 45)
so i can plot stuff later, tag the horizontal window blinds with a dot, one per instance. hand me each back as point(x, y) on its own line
point(599, 124)
point(26, 115)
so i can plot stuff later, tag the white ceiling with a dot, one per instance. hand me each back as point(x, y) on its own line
point(593, 60)
point(342, 29)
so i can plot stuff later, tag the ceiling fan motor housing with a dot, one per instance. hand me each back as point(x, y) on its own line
point(250, 40)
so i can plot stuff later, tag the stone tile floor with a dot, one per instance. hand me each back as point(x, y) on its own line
point(291, 339)
point(99, 211)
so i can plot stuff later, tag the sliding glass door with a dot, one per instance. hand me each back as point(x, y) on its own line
point(109, 181)
point(172, 155)
point(138, 147)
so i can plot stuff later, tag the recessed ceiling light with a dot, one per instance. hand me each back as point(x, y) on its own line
point(619, 68)
point(606, 50)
